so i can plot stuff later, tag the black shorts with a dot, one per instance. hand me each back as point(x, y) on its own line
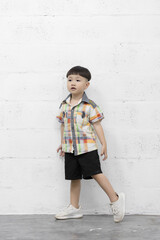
point(84, 165)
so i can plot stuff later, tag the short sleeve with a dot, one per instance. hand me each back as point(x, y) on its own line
point(96, 114)
point(60, 115)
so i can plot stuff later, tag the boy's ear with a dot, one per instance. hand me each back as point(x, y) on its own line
point(88, 84)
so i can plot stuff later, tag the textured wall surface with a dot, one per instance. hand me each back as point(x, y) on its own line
point(119, 41)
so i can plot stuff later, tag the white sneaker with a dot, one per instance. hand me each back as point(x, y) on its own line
point(118, 208)
point(69, 212)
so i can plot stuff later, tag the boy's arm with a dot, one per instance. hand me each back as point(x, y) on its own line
point(100, 133)
point(60, 147)
point(62, 131)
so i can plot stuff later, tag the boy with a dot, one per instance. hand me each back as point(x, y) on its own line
point(79, 117)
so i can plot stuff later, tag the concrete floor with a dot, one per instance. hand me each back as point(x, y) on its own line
point(45, 227)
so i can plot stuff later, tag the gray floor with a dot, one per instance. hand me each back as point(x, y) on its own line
point(33, 227)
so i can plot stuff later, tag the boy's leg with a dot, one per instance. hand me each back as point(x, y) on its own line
point(106, 186)
point(75, 188)
point(73, 210)
point(117, 202)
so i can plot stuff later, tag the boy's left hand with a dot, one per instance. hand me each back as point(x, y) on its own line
point(104, 152)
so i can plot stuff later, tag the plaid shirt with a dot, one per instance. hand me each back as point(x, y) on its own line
point(79, 135)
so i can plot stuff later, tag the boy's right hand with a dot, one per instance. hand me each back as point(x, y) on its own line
point(61, 152)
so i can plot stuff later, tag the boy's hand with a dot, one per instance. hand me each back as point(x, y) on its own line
point(104, 152)
point(61, 152)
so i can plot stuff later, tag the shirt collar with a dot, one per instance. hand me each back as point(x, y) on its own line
point(68, 100)
point(84, 98)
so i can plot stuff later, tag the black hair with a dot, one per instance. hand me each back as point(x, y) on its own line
point(82, 71)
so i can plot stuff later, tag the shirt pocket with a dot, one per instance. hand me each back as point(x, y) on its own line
point(81, 118)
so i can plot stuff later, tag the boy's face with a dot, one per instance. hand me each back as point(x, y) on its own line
point(76, 84)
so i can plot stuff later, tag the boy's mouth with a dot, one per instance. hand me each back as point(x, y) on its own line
point(73, 88)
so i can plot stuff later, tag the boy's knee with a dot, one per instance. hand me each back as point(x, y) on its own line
point(76, 180)
point(96, 175)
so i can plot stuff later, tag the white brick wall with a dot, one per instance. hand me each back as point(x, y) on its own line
point(39, 42)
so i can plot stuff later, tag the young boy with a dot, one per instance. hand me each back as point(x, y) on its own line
point(80, 118)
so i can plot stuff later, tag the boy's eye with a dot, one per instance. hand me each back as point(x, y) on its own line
point(76, 80)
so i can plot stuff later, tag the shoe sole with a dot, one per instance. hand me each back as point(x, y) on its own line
point(69, 217)
point(123, 196)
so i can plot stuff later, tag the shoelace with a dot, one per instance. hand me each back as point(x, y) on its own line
point(115, 210)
